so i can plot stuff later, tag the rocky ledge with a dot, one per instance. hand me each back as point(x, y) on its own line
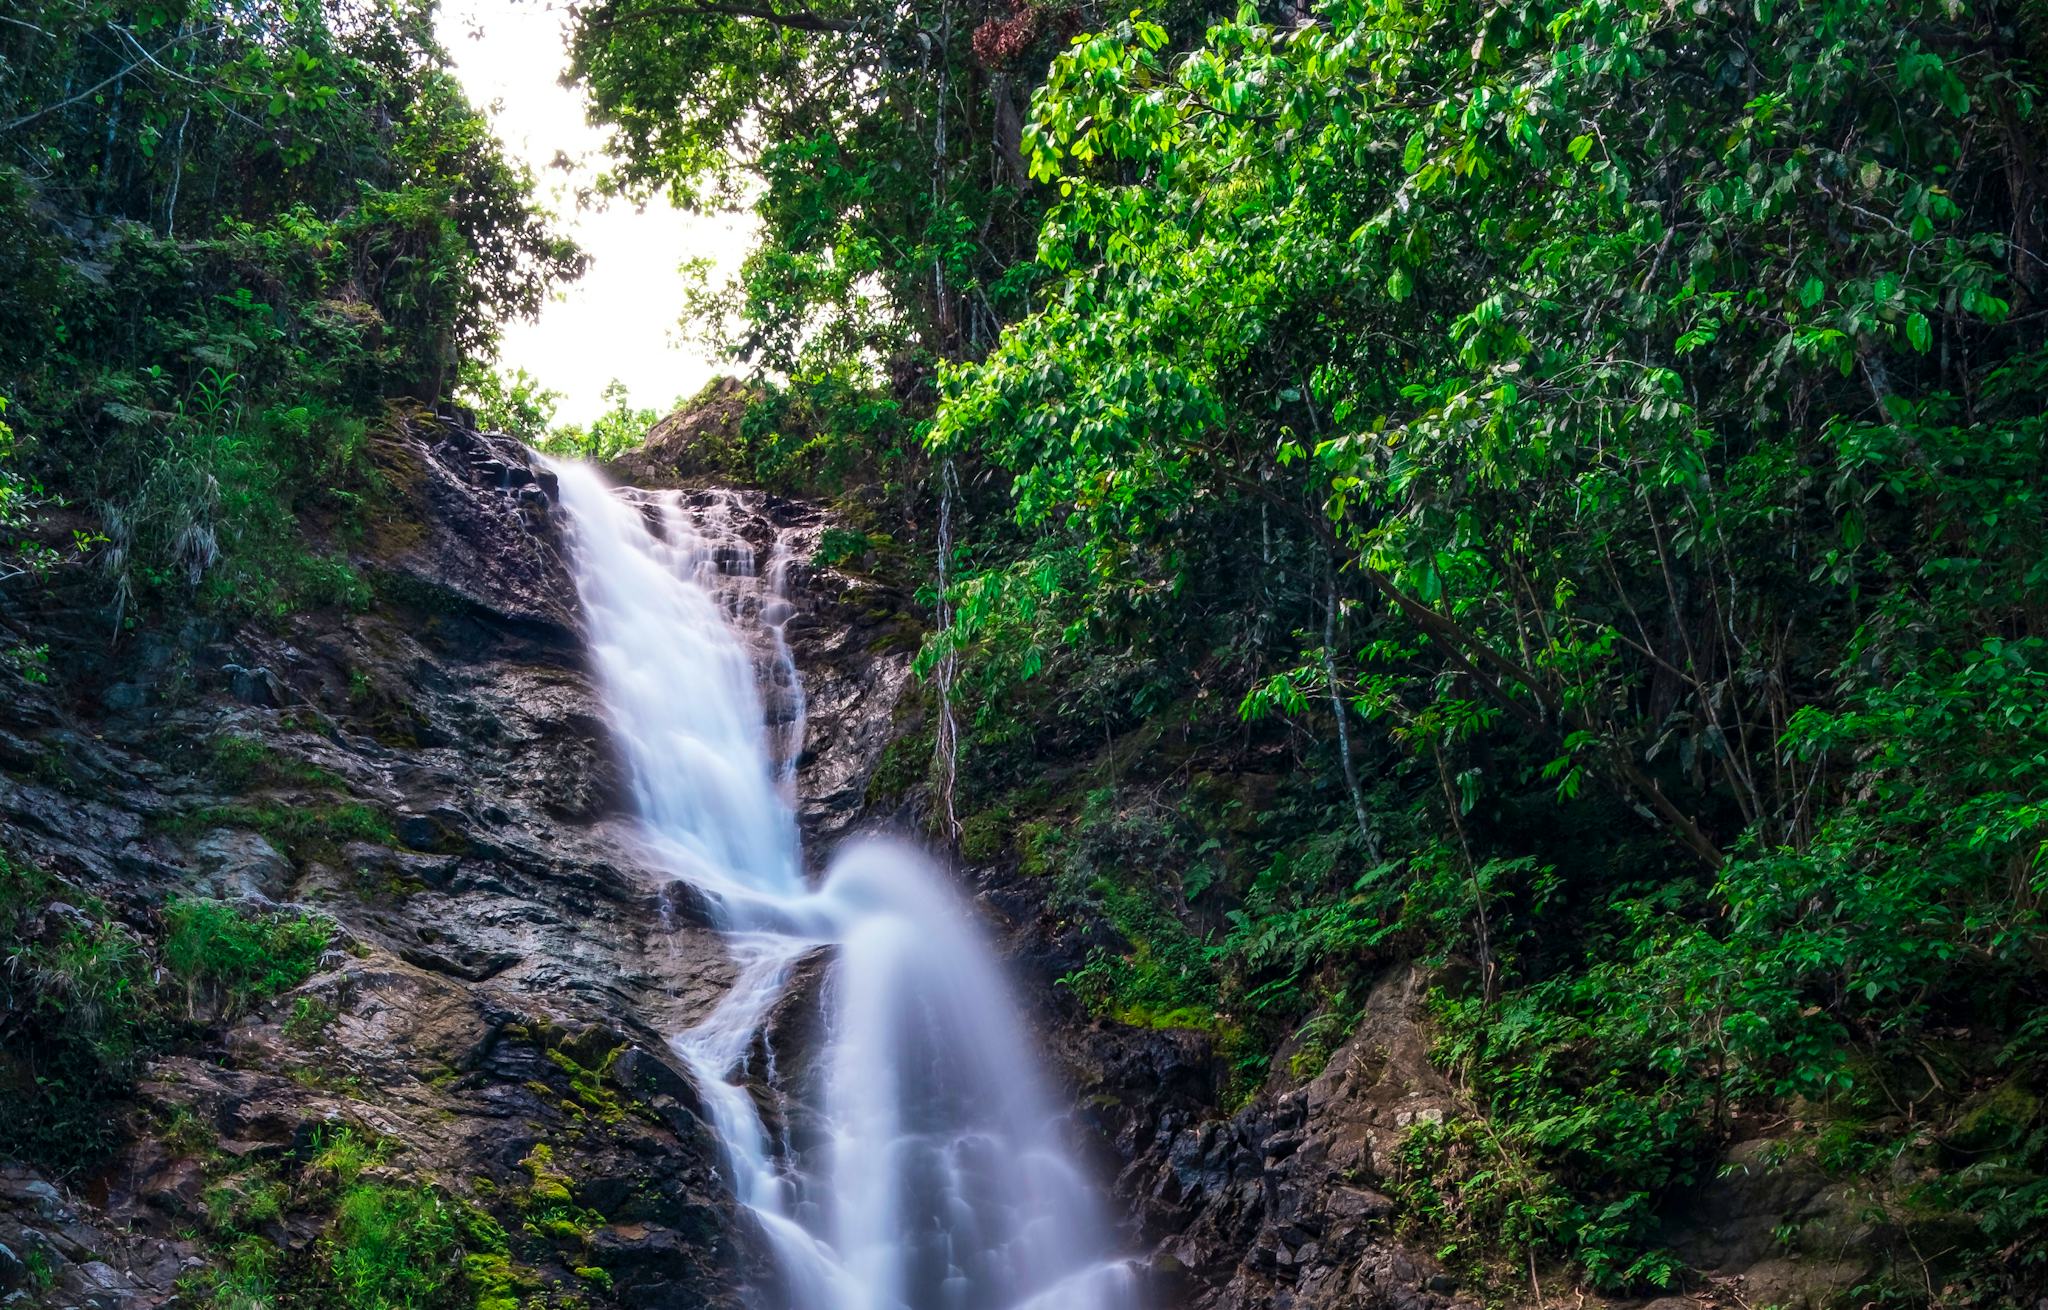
point(431, 773)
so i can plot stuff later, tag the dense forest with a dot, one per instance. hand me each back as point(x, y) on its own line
point(1549, 490)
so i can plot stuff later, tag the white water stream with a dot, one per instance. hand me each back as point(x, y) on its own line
point(938, 1179)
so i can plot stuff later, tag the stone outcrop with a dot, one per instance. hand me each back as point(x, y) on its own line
point(1288, 1202)
point(1284, 1204)
point(688, 445)
point(433, 773)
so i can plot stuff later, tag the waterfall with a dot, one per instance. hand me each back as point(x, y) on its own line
point(933, 1175)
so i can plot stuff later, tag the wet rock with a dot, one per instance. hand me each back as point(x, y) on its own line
point(1356, 1204)
point(662, 1089)
point(100, 1285)
point(454, 719)
point(39, 1196)
point(1733, 1215)
point(50, 1255)
point(422, 832)
point(237, 865)
point(258, 686)
point(682, 447)
point(1281, 1204)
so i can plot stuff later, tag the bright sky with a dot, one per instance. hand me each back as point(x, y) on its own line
point(621, 320)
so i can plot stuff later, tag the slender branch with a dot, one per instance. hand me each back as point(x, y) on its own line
point(1337, 707)
point(52, 108)
point(1467, 652)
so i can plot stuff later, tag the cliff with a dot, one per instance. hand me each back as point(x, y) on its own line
point(430, 775)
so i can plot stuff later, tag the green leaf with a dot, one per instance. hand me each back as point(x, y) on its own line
point(1918, 333)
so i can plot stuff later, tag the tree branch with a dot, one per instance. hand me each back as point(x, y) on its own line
point(1467, 652)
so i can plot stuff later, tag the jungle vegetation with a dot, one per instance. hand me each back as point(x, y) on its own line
point(235, 240)
point(1546, 489)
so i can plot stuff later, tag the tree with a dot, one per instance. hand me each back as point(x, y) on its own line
point(1633, 405)
point(234, 234)
point(514, 403)
point(878, 145)
point(610, 434)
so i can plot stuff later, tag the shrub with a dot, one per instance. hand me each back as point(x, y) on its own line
point(840, 546)
point(234, 958)
point(394, 1248)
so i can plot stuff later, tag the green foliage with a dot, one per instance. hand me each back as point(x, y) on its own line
point(879, 146)
point(385, 1243)
point(611, 434)
point(233, 234)
point(829, 434)
point(839, 546)
point(514, 403)
point(309, 1021)
point(233, 957)
point(1161, 978)
point(307, 827)
point(1480, 1198)
point(245, 1278)
point(85, 998)
point(77, 1014)
point(394, 1248)
point(341, 1156)
point(22, 554)
point(905, 764)
point(822, 434)
point(246, 763)
point(1619, 424)
point(41, 1274)
point(495, 1282)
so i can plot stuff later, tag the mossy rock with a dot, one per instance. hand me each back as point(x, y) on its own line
point(905, 765)
point(984, 837)
point(1998, 1118)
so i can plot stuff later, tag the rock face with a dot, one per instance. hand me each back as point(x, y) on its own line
point(1288, 1203)
point(1282, 1205)
point(433, 773)
point(684, 446)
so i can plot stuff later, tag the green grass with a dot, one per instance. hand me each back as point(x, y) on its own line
point(85, 998)
point(385, 1242)
point(394, 1248)
point(36, 1263)
point(839, 546)
point(243, 763)
point(215, 949)
point(295, 827)
point(309, 1021)
point(80, 1009)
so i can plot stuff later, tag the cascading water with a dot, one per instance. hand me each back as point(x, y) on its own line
point(940, 1181)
